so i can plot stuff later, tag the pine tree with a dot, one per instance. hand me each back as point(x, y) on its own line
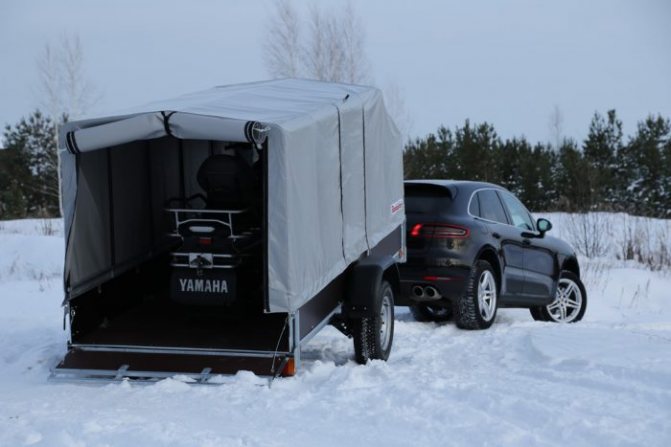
point(510, 153)
point(644, 167)
point(475, 150)
point(537, 181)
point(666, 176)
point(603, 142)
point(14, 172)
point(428, 158)
point(572, 186)
point(31, 164)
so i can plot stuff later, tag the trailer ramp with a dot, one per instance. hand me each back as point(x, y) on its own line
point(150, 365)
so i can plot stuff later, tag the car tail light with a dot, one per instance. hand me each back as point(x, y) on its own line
point(416, 230)
point(439, 231)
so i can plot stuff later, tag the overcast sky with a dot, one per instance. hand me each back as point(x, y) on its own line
point(506, 62)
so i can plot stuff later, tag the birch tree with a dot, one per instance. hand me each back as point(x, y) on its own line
point(64, 88)
point(282, 49)
point(556, 126)
point(328, 45)
point(331, 46)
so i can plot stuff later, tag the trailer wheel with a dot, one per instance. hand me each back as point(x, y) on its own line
point(373, 336)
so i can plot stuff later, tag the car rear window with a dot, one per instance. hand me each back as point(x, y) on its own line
point(426, 199)
point(491, 207)
point(474, 207)
point(518, 213)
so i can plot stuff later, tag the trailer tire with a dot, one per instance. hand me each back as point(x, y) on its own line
point(373, 336)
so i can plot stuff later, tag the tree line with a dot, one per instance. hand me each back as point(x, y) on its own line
point(606, 172)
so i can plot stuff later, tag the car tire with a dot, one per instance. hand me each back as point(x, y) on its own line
point(429, 313)
point(373, 336)
point(476, 308)
point(570, 301)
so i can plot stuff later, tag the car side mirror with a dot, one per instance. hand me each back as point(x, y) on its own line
point(543, 226)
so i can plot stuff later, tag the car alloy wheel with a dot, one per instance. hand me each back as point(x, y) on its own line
point(487, 295)
point(476, 307)
point(568, 302)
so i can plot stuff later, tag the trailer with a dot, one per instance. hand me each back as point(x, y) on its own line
point(220, 231)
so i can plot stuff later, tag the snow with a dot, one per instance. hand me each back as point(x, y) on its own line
point(605, 381)
point(611, 235)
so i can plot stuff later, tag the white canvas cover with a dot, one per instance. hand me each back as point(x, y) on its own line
point(335, 178)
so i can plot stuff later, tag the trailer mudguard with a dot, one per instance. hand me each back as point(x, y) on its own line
point(362, 285)
point(363, 282)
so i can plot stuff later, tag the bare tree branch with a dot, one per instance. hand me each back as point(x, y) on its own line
point(282, 48)
point(315, 53)
point(64, 87)
point(556, 126)
point(356, 65)
point(332, 48)
point(395, 102)
point(65, 90)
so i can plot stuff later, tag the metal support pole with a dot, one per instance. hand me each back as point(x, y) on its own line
point(295, 338)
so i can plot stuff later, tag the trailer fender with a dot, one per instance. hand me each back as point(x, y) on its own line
point(363, 284)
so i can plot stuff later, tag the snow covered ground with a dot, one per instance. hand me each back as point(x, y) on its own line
point(605, 381)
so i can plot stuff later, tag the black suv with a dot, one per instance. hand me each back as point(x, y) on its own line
point(473, 247)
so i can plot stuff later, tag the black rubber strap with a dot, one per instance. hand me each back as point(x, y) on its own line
point(71, 143)
point(166, 122)
point(342, 210)
point(249, 125)
point(365, 189)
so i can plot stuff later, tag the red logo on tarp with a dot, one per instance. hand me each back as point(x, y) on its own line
point(397, 206)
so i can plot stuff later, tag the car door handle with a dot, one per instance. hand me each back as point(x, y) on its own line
point(496, 235)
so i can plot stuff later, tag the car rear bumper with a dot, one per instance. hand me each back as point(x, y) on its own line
point(449, 282)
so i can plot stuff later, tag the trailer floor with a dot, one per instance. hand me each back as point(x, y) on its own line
point(177, 326)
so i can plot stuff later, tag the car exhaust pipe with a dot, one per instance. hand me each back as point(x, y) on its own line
point(432, 292)
point(418, 292)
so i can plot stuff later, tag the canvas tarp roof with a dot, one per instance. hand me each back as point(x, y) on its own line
point(334, 178)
